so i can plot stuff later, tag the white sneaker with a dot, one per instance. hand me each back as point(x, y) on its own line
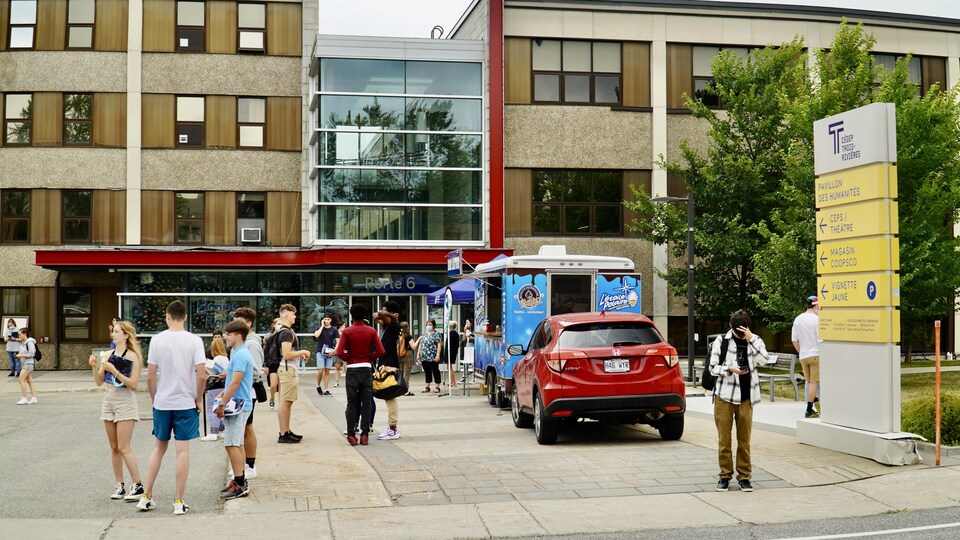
point(220, 436)
point(180, 508)
point(119, 492)
point(209, 437)
point(33, 401)
point(145, 504)
point(23, 401)
point(389, 435)
point(249, 472)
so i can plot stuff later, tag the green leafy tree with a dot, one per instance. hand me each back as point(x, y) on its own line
point(736, 181)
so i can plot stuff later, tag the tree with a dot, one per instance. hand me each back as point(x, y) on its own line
point(928, 138)
point(736, 183)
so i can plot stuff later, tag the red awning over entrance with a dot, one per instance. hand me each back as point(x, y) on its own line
point(124, 258)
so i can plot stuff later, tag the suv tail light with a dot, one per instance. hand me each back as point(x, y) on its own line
point(668, 353)
point(557, 360)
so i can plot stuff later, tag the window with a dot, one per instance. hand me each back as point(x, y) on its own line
point(15, 215)
point(251, 24)
point(188, 218)
point(23, 24)
point(251, 115)
point(190, 26)
point(703, 72)
point(80, 17)
point(77, 211)
point(889, 62)
point(75, 314)
point(18, 118)
point(571, 202)
point(251, 218)
point(77, 119)
point(14, 301)
point(576, 72)
point(190, 121)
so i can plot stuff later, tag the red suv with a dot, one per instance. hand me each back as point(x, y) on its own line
point(614, 367)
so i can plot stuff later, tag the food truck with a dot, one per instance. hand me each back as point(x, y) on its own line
point(513, 294)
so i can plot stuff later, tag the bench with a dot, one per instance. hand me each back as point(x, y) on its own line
point(785, 369)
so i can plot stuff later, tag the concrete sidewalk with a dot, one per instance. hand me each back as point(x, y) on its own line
point(411, 488)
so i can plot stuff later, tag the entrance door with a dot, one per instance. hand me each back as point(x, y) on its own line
point(571, 293)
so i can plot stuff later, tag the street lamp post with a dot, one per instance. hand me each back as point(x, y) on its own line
point(691, 212)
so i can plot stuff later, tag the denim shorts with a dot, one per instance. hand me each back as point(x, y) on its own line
point(234, 427)
point(184, 424)
point(325, 362)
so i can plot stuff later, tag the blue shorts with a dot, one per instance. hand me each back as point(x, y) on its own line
point(325, 362)
point(184, 424)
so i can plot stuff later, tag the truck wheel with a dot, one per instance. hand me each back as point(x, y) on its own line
point(671, 428)
point(520, 418)
point(544, 426)
point(491, 382)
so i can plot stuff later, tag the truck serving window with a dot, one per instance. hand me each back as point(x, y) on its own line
point(608, 335)
point(495, 303)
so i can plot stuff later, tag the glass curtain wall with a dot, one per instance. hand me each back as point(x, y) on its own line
point(398, 151)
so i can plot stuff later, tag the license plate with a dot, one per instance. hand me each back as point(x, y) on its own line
point(616, 366)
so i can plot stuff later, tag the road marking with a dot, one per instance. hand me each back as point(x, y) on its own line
point(876, 533)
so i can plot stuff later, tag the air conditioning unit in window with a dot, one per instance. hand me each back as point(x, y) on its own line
point(250, 236)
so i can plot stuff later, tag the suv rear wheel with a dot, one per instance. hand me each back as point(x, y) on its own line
point(671, 428)
point(546, 427)
point(520, 418)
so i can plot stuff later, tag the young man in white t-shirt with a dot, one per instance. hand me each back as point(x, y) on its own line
point(177, 397)
point(806, 340)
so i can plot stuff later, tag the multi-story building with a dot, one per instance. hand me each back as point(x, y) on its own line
point(591, 95)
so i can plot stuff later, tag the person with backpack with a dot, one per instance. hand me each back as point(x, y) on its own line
point(734, 358)
point(286, 346)
point(29, 355)
point(271, 360)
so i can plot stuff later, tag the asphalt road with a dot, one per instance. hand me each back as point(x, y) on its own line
point(938, 524)
point(56, 462)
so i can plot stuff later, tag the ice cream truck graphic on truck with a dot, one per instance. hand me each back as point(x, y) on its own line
point(513, 294)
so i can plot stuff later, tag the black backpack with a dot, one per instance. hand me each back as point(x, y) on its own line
point(37, 355)
point(708, 380)
point(272, 353)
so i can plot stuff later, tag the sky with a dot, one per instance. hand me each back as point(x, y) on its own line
point(416, 18)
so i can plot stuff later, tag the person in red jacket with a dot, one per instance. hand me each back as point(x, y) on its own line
point(359, 347)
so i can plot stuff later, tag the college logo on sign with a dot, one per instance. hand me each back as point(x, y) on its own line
point(835, 129)
point(529, 296)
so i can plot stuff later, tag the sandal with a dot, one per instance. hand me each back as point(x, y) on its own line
point(426, 390)
point(437, 391)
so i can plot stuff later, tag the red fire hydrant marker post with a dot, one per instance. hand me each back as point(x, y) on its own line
point(936, 384)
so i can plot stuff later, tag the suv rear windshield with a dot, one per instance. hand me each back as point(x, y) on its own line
point(620, 334)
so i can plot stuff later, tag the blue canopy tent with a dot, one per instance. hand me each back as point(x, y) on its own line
point(462, 292)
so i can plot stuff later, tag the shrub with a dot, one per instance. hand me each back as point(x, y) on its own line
point(918, 416)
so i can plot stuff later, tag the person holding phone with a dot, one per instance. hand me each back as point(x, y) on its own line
point(735, 394)
point(120, 370)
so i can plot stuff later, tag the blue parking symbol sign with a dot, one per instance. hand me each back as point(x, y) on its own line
point(871, 290)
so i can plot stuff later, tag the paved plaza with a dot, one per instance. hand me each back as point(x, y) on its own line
point(460, 470)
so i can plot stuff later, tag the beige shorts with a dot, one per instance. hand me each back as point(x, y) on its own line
point(811, 368)
point(289, 383)
point(119, 404)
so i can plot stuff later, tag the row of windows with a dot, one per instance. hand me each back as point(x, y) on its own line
point(79, 212)
point(188, 26)
point(551, 71)
point(85, 119)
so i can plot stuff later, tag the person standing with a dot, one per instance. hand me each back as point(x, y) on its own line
point(28, 362)
point(736, 392)
point(406, 361)
point(359, 346)
point(806, 340)
point(12, 338)
point(272, 366)
point(235, 404)
point(255, 347)
point(453, 353)
point(177, 397)
point(119, 410)
point(288, 374)
point(428, 348)
point(388, 318)
point(326, 337)
point(216, 367)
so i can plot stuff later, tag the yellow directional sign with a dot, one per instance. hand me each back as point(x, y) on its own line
point(858, 255)
point(878, 181)
point(864, 325)
point(874, 289)
point(859, 219)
